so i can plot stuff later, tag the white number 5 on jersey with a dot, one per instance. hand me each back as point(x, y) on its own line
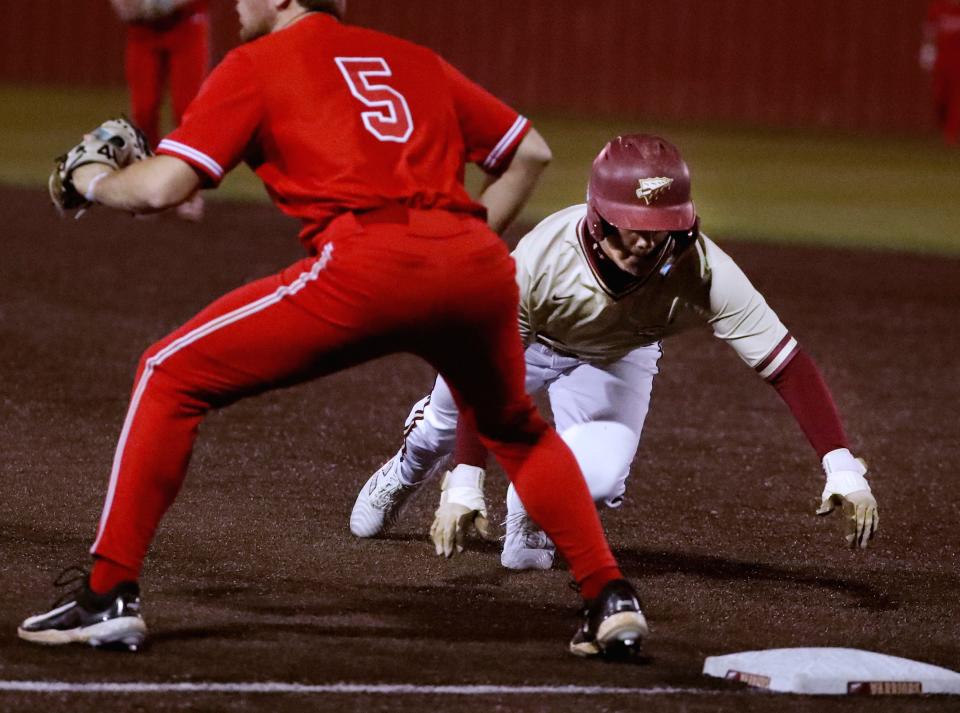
point(389, 118)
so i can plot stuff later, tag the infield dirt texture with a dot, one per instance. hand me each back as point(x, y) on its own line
point(254, 576)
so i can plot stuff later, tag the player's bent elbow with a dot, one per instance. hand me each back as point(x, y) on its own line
point(534, 151)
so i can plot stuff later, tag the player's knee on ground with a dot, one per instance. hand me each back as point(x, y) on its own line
point(604, 451)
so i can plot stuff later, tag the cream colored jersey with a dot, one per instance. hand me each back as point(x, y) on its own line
point(565, 304)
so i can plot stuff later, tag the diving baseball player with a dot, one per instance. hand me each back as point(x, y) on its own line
point(601, 285)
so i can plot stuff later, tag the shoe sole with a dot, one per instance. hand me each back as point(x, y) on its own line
point(124, 632)
point(622, 634)
point(585, 649)
point(619, 636)
point(543, 560)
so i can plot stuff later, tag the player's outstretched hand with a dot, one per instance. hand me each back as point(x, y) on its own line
point(462, 509)
point(848, 489)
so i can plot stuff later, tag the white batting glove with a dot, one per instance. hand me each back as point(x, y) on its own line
point(462, 509)
point(847, 487)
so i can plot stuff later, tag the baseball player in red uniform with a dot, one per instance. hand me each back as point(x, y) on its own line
point(601, 285)
point(363, 137)
point(940, 54)
point(168, 41)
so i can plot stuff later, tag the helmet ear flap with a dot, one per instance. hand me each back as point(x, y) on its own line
point(597, 227)
point(689, 235)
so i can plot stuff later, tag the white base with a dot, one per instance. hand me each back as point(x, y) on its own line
point(832, 671)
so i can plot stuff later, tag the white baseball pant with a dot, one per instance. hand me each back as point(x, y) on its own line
point(598, 409)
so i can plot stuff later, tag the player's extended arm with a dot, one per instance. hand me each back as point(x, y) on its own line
point(803, 389)
point(741, 317)
point(147, 186)
point(505, 195)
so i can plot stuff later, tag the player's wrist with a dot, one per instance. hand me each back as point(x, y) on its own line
point(845, 474)
point(465, 476)
point(464, 486)
point(86, 181)
point(841, 459)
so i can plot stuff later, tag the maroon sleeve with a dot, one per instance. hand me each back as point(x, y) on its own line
point(491, 129)
point(469, 450)
point(806, 394)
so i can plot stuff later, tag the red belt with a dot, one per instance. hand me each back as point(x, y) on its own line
point(391, 213)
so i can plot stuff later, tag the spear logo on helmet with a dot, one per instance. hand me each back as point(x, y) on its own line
point(649, 188)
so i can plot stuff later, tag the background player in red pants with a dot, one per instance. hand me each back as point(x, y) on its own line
point(363, 137)
point(168, 42)
point(940, 54)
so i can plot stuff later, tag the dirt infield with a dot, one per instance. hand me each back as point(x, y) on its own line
point(254, 577)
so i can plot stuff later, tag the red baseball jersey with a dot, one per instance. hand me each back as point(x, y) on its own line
point(336, 118)
point(944, 17)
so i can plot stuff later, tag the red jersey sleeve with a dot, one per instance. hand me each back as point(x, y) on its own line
point(491, 129)
point(220, 122)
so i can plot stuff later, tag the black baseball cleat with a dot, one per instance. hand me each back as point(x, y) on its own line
point(613, 625)
point(110, 620)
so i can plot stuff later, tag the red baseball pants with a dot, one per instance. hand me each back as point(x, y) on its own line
point(440, 286)
point(180, 55)
point(946, 90)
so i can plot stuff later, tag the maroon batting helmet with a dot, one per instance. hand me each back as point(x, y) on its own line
point(639, 182)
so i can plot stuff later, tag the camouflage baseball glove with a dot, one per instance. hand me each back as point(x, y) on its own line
point(115, 143)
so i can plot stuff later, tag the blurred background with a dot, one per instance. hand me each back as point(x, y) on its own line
point(808, 122)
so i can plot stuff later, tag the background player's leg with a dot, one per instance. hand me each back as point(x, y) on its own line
point(143, 67)
point(189, 52)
